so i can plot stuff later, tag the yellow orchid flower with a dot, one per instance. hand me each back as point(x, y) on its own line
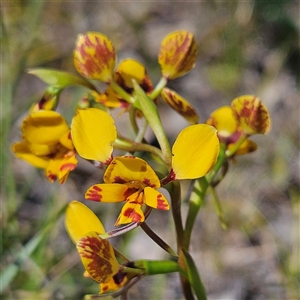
point(128, 70)
point(177, 54)
point(229, 130)
point(97, 255)
point(251, 114)
point(47, 144)
point(95, 56)
point(129, 179)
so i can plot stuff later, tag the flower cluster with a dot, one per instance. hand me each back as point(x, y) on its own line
point(199, 151)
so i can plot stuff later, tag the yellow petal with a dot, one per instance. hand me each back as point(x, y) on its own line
point(155, 199)
point(93, 132)
point(223, 119)
point(95, 56)
point(177, 54)
point(195, 151)
point(66, 140)
point(106, 192)
point(97, 256)
point(124, 169)
point(22, 151)
point(181, 105)
point(251, 114)
point(42, 149)
point(80, 220)
point(131, 212)
point(44, 127)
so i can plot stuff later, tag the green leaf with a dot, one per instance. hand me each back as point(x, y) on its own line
point(60, 79)
point(194, 277)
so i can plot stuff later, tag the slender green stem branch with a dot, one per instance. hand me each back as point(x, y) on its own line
point(141, 133)
point(121, 92)
point(196, 201)
point(175, 193)
point(158, 88)
point(132, 118)
point(157, 239)
point(221, 159)
point(218, 207)
point(236, 146)
point(132, 146)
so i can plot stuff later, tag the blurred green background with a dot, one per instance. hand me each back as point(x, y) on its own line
point(245, 47)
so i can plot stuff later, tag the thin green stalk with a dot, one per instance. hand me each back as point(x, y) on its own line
point(141, 133)
point(221, 159)
point(198, 195)
point(158, 88)
point(121, 92)
point(196, 201)
point(218, 207)
point(161, 243)
point(132, 118)
point(132, 146)
point(237, 145)
point(175, 193)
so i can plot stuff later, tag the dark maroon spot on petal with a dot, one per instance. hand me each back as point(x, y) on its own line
point(132, 214)
point(147, 181)
point(69, 167)
point(94, 193)
point(143, 169)
point(52, 177)
point(161, 203)
point(96, 188)
point(118, 179)
point(129, 192)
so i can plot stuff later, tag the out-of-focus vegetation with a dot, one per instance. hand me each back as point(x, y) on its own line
point(245, 47)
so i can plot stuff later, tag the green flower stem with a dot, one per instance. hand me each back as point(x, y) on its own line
point(157, 239)
point(153, 267)
point(132, 146)
point(121, 92)
point(237, 145)
point(138, 270)
point(221, 159)
point(149, 109)
point(198, 195)
point(132, 118)
point(196, 201)
point(158, 88)
point(218, 207)
point(175, 193)
point(142, 131)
